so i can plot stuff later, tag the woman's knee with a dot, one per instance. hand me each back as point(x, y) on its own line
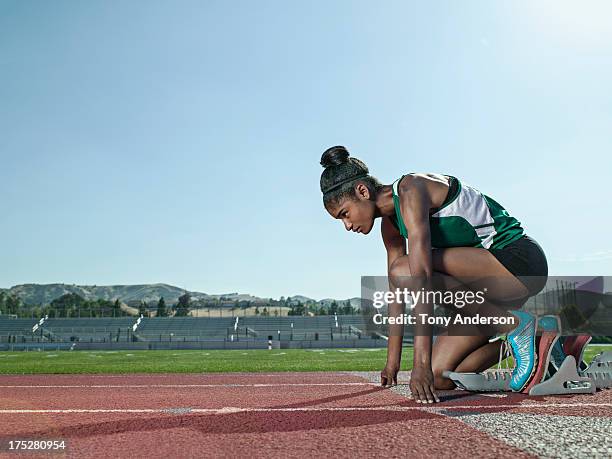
point(399, 271)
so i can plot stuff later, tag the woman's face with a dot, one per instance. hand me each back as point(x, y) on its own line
point(357, 214)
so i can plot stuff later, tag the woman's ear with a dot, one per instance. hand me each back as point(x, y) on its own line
point(362, 191)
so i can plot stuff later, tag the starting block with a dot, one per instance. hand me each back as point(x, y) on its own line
point(565, 381)
point(600, 370)
point(548, 379)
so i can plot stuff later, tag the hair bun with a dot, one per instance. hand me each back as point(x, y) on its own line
point(335, 156)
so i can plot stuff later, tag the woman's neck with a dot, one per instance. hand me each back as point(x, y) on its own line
point(384, 202)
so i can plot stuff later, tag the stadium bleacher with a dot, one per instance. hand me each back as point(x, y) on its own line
point(89, 329)
point(185, 328)
point(16, 328)
point(305, 328)
point(188, 329)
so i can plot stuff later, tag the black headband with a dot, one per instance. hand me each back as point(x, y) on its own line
point(342, 182)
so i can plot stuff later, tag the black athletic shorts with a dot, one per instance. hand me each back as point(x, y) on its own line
point(526, 260)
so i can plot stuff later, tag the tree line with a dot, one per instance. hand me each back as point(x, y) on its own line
point(68, 305)
point(72, 305)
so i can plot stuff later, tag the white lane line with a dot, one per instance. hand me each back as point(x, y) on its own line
point(114, 386)
point(232, 409)
point(171, 375)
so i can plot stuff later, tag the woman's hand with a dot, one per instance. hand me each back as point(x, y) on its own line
point(422, 385)
point(388, 377)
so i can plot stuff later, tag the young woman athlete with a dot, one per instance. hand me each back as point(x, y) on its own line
point(453, 232)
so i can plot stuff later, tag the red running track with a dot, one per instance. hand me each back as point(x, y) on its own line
point(259, 415)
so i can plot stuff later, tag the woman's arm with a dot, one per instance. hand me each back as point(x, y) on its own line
point(415, 203)
point(396, 247)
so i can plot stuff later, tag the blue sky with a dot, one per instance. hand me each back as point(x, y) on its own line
point(179, 141)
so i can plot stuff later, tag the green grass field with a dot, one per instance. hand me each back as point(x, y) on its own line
point(212, 361)
point(208, 361)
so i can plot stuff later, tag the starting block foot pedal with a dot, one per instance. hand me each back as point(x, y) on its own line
point(600, 370)
point(565, 381)
point(489, 381)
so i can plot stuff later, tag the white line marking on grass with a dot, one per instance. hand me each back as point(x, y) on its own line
point(140, 386)
point(231, 409)
point(173, 375)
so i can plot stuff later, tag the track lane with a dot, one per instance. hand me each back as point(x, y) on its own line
point(300, 413)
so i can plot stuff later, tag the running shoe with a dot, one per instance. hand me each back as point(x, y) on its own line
point(549, 329)
point(575, 345)
point(522, 344)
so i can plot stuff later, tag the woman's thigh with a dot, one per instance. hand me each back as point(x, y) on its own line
point(479, 269)
point(456, 267)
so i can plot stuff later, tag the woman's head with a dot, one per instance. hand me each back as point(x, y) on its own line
point(349, 191)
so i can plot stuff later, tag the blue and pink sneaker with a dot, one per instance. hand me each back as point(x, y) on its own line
point(522, 344)
point(549, 330)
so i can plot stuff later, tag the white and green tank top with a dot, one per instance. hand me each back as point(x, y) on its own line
point(467, 218)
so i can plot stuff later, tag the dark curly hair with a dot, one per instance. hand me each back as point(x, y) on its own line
point(341, 174)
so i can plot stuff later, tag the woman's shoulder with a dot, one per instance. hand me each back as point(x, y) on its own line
point(407, 181)
point(429, 187)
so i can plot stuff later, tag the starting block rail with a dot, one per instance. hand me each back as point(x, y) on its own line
point(600, 370)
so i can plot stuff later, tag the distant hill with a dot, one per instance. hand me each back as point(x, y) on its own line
point(293, 300)
point(45, 293)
